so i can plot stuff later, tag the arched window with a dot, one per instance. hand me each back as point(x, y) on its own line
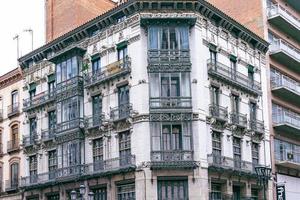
point(15, 135)
point(14, 174)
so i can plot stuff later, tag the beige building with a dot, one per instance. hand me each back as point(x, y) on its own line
point(11, 125)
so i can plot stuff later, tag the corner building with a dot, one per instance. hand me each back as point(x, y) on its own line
point(151, 100)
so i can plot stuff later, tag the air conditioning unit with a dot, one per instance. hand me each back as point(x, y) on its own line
point(290, 155)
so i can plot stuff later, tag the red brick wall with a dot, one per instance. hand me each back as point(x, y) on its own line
point(65, 15)
point(247, 12)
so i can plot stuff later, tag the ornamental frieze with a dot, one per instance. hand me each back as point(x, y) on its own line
point(65, 137)
point(171, 117)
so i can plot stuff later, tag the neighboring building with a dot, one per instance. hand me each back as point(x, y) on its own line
point(62, 16)
point(151, 100)
point(11, 118)
point(279, 22)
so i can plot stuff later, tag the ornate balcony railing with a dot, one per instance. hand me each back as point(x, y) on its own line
point(286, 117)
point(38, 100)
point(239, 119)
point(94, 120)
point(280, 80)
point(170, 102)
point(69, 125)
point(11, 185)
point(30, 139)
point(257, 125)
point(237, 79)
point(74, 84)
point(224, 196)
point(13, 109)
point(168, 56)
point(13, 145)
point(276, 9)
point(230, 163)
point(114, 69)
point(171, 155)
point(48, 134)
point(281, 45)
point(121, 112)
point(218, 112)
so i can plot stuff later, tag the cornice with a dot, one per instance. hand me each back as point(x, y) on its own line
point(130, 7)
point(11, 78)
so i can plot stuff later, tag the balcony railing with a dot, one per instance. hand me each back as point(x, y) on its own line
point(13, 109)
point(230, 163)
point(286, 117)
point(11, 185)
point(74, 84)
point(109, 71)
point(235, 78)
point(239, 119)
point(171, 156)
point(276, 9)
point(121, 112)
point(48, 134)
point(218, 112)
point(289, 155)
point(281, 45)
point(73, 172)
point(69, 125)
point(94, 121)
point(170, 102)
point(224, 196)
point(168, 56)
point(38, 100)
point(30, 139)
point(13, 145)
point(280, 80)
point(257, 125)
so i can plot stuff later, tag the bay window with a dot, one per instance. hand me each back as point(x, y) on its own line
point(67, 68)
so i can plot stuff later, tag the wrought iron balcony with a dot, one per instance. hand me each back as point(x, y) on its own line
point(30, 139)
point(94, 121)
point(237, 79)
point(115, 69)
point(289, 158)
point(257, 126)
point(38, 100)
point(224, 196)
point(111, 165)
point(172, 159)
point(74, 86)
point(286, 54)
point(218, 112)
point(285, 87)
point(13, 145)
point(48, 134)
point(283, 19)
point(286, 121)
point(121, 112)
point(170, 102)
point(239, 119)
point(217, 161)
point(166, 56)
point(13, 109)
point(76, 123)
point(11, 185)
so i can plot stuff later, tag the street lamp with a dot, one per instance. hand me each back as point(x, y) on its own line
point(263, 174)
point(82, 192)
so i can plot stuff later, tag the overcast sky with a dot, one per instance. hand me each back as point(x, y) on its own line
point(15, 16)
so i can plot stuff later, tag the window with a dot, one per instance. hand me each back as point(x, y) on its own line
point(100, 193)
point(213, 57)
point(215, 93)
point(251, 75)
point(217, 147)
point(173, 190)
point(253, 108)
point(236, 192)
point(14, 175)
point(51, 120)
point(237, 153)
point(67, 69)
point(255, 154)
point(52, 163)
point(69, 109)
point(98, 154)
point(96, 64)
point(14, 101)
point(126, 191)
point(171, 38)
point(32, 94)
point(123, 97)
point(125, 148)
point(33, 168)
point(216, 191)
point(15, 136)
point(171, 137)
point(233, 68)
point(235, 104)
point(53, 197)
point(32, 124)
point(73, 154)
point(122, 53)
point(170, 85)
point(51, 87)
point(97, 109)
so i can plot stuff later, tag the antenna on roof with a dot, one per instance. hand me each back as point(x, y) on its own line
point(17, 38)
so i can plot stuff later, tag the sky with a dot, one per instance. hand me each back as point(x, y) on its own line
point(15, 17)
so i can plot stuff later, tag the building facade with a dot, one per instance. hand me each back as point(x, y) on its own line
point(151, 100)
point(279, 22)
point(12, 159)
